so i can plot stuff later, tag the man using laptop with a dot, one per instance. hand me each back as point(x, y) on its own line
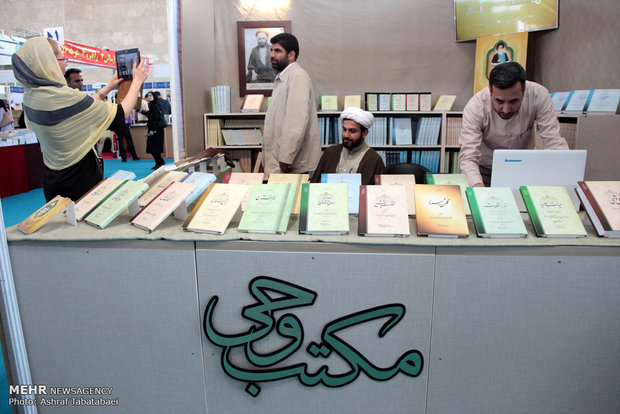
point(503, 117)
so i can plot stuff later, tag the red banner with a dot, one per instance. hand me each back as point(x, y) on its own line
point(89, 55)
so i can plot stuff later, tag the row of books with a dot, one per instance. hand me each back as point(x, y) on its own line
point(398, 101)
point(220, 99)
point(454, 125)
point(387, 131)
point(440, 207)
point(452, 163)
point(587, 101)
point(251, 136)
point(394, 157)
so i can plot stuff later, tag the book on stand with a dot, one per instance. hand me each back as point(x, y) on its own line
point(385, 103)
point(451, 179)
point(399, 102)
point(576, 101)
point(114, 205)
point(352, 101)
point(440, 211)
point(551, 211)
point(601, 201)
point(328, 103)
point(495, 213)
point(159, 185)
point(201, 180)
point(353, 181)
point(425, 101)
point(444, 102)
point(216, 208)
point(89, 201)
point(324, 209)
point(372, 101)
point(413, 101)
point(558, 99)
point(603, 101)
point(248, 179)
point(44, 214)
point(406, 180)
point(297, 179)
point(383, 211)
point(252, 103)
point(162, 205)
point(268, 209)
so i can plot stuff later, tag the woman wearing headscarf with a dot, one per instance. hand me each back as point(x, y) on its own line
point(67, 122)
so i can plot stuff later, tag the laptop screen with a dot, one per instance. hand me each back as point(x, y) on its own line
point(514, 168)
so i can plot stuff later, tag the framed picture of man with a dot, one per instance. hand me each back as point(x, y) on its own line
point(256, 75)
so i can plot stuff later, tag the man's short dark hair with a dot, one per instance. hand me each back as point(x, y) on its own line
point(288, 42)
point(506, 75)
point(500, 43)
point(70, 72)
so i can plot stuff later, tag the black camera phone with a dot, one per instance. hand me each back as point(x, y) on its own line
point(124, 62)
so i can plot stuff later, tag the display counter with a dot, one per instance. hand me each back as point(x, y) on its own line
point(138, 134)
point(21, 169)
point(509, 326)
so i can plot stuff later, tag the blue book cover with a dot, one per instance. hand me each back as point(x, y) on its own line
point(353, 181)
point(201, 180)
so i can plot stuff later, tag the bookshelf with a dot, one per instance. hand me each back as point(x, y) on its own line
point(577, 129)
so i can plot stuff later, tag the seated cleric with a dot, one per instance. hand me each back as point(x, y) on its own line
point(353, 155)
point(502, 116)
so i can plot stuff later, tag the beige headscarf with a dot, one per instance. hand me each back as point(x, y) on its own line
point(66, 121)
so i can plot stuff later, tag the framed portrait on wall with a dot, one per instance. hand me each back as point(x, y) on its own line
point(256, 75)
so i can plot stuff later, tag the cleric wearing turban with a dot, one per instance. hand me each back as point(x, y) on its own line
point(353, 155)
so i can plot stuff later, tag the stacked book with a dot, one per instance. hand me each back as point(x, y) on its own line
point(220, 99)
point(427, 132)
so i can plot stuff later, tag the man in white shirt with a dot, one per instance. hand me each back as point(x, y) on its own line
point(503, 117)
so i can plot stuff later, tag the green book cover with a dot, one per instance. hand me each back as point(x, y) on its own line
point(451, 179)
point(494, 212)
point(268, 209)
point(116, 203)
point(551, 211)
point(324, 209)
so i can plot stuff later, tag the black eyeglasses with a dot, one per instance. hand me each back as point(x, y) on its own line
point(64, 59)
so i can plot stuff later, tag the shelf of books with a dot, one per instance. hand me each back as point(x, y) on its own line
point(398, 136)
point(426, 138)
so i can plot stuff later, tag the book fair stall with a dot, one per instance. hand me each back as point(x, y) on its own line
point(207, 287)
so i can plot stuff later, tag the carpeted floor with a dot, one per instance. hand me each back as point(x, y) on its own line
point(16, 208)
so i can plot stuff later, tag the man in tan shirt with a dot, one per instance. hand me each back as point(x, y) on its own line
point(291, 140)
point(503, 117)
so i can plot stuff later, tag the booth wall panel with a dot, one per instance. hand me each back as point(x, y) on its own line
point(347, 279)
point(113, 314)
point(526, 331)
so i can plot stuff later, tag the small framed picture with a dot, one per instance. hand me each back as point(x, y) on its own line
point(256, 75)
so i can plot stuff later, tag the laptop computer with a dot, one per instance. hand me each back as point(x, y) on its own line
point(514, 168)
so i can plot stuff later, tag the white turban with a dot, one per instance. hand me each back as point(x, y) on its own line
point(358, 115)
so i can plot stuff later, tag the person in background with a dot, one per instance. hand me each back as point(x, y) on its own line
point(125, 135)
point(155, 124)
point(353, 155)
point(291, 140)
point(503, 117)
point(6, 116)
point(74, 78)
point(66, 121)
point(163, 103)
